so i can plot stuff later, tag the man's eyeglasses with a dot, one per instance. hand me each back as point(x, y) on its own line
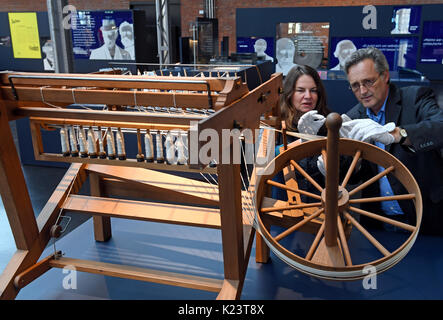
point(367, 83)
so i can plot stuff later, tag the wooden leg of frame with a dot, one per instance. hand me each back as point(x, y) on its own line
point(231, 220)
point(13, 190)
point(229, 290)
point(24, 259)
point(102, 228)
point(261, 248)
point(102, 225)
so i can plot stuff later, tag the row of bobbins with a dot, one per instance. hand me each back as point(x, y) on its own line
point(76, 142)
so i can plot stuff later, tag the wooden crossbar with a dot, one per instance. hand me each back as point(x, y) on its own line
point(141, 274)
point(113, 81)
point(181, 190)
point(146, 211)
point(117, 97)
point(111, 124)
point(98, 115)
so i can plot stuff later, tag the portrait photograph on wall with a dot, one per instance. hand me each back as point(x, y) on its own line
point(343, 49)
point(263, 46)
point(406, 20)
point(103, 35)
point(47, 54)
point(401, 52)
point(301, 43)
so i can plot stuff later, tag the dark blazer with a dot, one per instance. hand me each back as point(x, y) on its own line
point(415, 109)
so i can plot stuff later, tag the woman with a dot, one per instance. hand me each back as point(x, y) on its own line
point(303, 91)
point(304, 109)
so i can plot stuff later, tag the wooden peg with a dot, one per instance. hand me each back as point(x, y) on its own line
point(140, 156)
point(285, 137)
point(333, 123)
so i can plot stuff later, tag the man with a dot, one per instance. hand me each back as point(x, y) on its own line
point(48, 61)
point(109, 50)
point(127, 37)
point(415, 139)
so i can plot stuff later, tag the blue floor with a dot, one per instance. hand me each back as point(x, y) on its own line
point(198, 251)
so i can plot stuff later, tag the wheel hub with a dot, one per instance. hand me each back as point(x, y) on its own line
point(343, 199)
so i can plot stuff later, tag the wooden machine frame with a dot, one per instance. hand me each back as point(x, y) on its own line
point(33, 95)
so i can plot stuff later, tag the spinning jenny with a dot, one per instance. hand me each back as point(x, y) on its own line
point(128, 106)
point(93, 140)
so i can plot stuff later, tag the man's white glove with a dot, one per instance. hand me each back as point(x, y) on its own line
point(345, 129)
point(368, 130)
point(310, 122)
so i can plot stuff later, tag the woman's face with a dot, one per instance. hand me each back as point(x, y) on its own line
point(305, 96)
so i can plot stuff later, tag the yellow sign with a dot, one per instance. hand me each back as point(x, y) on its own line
point(24, 35)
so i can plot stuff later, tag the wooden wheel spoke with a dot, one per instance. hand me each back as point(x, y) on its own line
point(298, 225)
point(316, 241)
point(351, 168)
point(282, 186)
point(365, 232)
point(383, 219)
point(291, 207)
point(372, 180)
point(344, 243)
point(408, 196)
point(306, 175)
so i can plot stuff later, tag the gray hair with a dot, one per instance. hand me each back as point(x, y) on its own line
point(380, 62)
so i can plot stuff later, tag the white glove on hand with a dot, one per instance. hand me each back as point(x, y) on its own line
point(345, 129)
point(310, 122)
point(321, 165)
point(367, 130)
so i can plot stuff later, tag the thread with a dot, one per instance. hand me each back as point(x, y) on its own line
point(92, 143)
point(110, 142)
point(82, 142)
point(121, 152)
point(64, 139)
point(73, 142)
point(181, 150)
point(170, 148)
point(101, 147)
point(149, 147)
point(159, 147)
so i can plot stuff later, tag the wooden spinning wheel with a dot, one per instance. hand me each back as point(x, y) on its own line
point(329, 217)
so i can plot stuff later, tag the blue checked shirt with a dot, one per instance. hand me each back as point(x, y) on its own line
point(388, 207)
